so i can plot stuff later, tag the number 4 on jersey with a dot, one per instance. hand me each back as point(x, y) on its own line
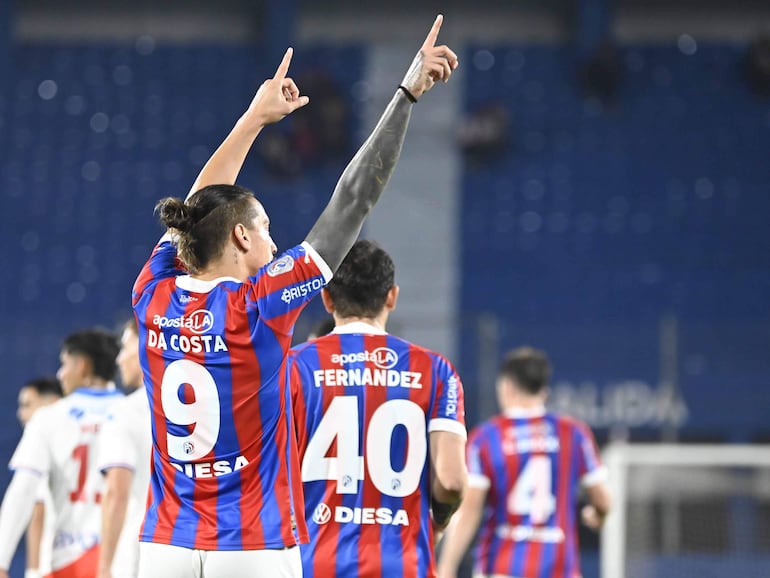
point(533, 492)
point(347, 467)
point(340, 423)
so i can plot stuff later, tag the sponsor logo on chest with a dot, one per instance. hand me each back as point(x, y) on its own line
point(197, 322)
point(382, 357)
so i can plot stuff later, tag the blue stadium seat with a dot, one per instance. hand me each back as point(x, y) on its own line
point(99, 134)
point(618, 214)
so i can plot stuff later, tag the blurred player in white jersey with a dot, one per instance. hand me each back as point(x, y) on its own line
point(33, 395)
point(125, 447)
point(59, 443)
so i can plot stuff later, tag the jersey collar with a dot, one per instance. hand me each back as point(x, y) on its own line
point(525, 412)
point(359, 327)
point(200, 286)
point(109, 389)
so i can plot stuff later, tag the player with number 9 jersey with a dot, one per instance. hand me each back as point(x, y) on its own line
point(365, 405)
point(216, 314)
point(212, 353)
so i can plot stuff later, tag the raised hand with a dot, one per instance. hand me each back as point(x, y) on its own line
point(278, 96)
point(432, 63)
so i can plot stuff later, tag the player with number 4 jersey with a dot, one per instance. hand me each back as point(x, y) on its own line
point(381, 431)
point(526, 469)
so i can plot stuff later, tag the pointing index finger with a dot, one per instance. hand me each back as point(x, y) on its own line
point(430, 40)
point(283, 68)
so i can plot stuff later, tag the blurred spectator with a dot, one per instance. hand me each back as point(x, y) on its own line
point(601, 75)
point(322, 131)
point(277, 153)
point(758, 65)
point(484, 134)
point(318, 134)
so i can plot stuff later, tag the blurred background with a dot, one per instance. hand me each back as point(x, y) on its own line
point(593, 181)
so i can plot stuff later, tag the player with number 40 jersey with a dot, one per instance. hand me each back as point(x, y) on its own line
point(368, 408)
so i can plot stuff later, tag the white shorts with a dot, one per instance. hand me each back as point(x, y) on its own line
point(164, 561)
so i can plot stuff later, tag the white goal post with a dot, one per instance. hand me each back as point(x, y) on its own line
point(684, 510)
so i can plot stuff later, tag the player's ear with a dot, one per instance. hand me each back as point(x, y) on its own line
point(392, 298)
point(84, 366)
point(327, 301)
point(241, 237)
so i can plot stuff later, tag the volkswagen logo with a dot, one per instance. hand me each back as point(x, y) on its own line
point(322, 514)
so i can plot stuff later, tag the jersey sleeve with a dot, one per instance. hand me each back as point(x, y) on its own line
point(162, 264)
point(43, 491)
point(116, 448)
point(298, 408)
point(284, 286)
point(33, 454)
point(478, 474)
point(590, 468)
point(448, 412)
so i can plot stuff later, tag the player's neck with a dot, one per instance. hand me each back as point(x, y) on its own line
point(95, 383)
point(227, 266)
point(379, 322)
point(524, 403)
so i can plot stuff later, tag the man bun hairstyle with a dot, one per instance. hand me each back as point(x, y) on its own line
point(528, 368)
point(174, 214)
point(203, 223)
point(360, 286)
point(99, 346)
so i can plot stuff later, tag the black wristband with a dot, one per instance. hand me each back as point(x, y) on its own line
point(408, 94)
point(442, 512)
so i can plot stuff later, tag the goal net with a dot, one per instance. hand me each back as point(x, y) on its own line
point(682, 511)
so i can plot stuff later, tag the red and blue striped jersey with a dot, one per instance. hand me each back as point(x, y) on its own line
point(211, 354)
point(364, 405)
point(532, 465)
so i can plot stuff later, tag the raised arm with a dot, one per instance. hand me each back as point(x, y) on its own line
point(276, 98)
point(364, 179)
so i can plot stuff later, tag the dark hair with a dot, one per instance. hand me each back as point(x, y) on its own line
point(528, 368)
point(360, 286)
point(99, 346)
point(45, 386)
point(204, 222)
